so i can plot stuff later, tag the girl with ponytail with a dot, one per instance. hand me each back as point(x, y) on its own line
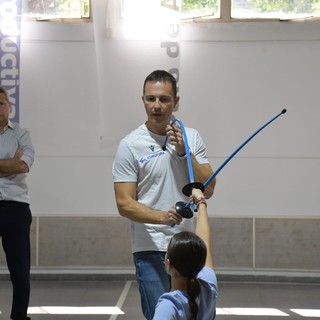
point(193, 281)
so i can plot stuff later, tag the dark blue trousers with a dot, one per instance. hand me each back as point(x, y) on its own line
point(15, 221)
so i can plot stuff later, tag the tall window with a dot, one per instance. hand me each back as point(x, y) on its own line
point(225, 10)
point(56, 9)
point(193, 10)
point(284, 9)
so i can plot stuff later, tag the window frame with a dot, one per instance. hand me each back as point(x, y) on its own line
point(60, 19)
point(225, 17)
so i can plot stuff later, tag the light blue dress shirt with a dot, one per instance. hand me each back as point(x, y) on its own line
point(14, 187)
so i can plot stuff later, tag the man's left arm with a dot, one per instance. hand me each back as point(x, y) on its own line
point(23, 158)
point(201, 173)
point(13, 165)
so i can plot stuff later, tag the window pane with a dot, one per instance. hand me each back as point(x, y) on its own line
point(47, 9)
point(198, 8)
point(275, 9)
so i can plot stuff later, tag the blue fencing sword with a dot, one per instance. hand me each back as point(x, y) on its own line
point(184, 208)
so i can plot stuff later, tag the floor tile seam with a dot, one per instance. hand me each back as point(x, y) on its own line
point(122, 298)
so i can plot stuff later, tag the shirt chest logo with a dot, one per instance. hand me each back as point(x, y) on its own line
point(151, 156)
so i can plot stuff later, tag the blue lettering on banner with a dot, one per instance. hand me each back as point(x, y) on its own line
point(10, 24)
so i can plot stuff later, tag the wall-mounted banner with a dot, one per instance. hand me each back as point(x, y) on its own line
point(10, 23)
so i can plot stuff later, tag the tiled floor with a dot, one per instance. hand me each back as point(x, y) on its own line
point(246, 297)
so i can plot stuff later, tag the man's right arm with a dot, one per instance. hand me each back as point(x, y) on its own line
point(13, 165)
point(130, 208)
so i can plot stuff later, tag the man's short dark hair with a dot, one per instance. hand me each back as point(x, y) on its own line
point(162, 76)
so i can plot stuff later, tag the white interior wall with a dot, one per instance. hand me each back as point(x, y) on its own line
point(233, 78)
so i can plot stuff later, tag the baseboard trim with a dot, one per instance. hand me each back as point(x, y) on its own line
point(124, 274)
point(270, 276)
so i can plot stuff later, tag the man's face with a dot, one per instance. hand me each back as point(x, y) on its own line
point(159, 103)
point(4, 109)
